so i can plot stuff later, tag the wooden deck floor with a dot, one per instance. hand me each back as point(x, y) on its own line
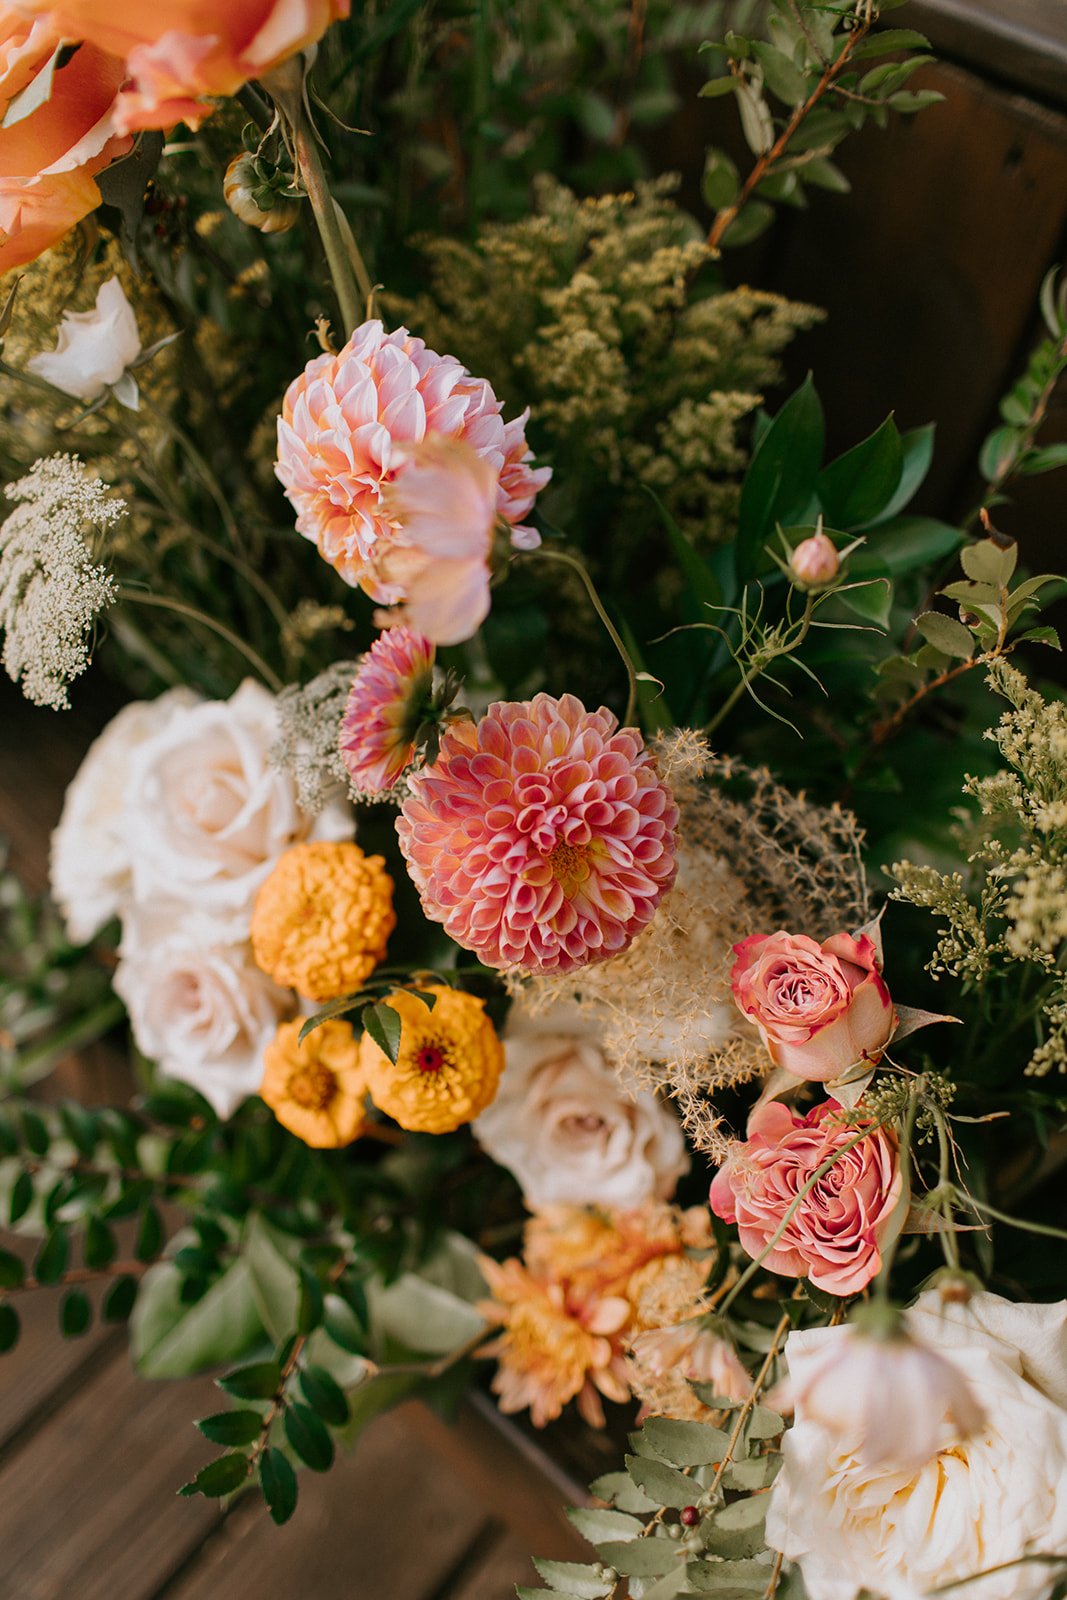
point(91, 1456)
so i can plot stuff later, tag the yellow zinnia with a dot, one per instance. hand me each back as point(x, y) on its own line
point(448, 1065)
point(316, 1089)
point(322, 919)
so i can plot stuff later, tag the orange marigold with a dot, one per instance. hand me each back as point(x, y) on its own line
point(322, 919)
point(448, 1065)
point(316, 1089)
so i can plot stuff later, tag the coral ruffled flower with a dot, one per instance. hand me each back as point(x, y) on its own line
point(323, 918)
point(542, 838)
point(697, 1353)
point(49, 158)
point(387, 705)
point(182, 53)
point(820, 1008)
point(448, 1064)
point(316, 1089)
point(836, 1234)
point(347, 429)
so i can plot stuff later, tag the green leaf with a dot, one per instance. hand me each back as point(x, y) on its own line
point(754, 218)
point(343, 1327)
point(324, 1396)
point(721, 182)
point(763, 1423)
point(12, 1270)
point(150, 1234)
point(278, 1483)
point(219, 1478)
point(908, 543)
point(1047, 459)
point(596, 1525)
point(120, 1299)
point(873, 600)
point(100, 1246)
point(383, 1024)
point(685, 1444)
point(620, 1488)
point(1047, 636)
point(21, 1196)
point(946, 634)
point(422, 1316)
point(9, 1327)
point(757, 1473)
point(737, 1530)
point(887, 40)
point(782, 78)
point(34, 1131)
point(915, 99)
point(857, 487)
point(75, 1314)
point(171, 1339)
point(716, 87)
point(274, 1280)
point(311, 1302)
point(309, 1437)
point(231, 1427)
point(52, 1260)
point(258, 1381)
point(641, 1558)
point(661, 1483)
point(985, 561)
point(821, 173)
point(780, 481)
point(730, 1578)
point(578, 1578)
point(998, 452)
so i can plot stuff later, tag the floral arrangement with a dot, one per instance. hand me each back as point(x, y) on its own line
point(525, 973)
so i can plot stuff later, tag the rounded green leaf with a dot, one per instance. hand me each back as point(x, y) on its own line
point(52, 1260)
point(309, 1437)
point(324, 1395)
point(231, 1427)
point(12, 1270)
point(219, 1478)
point(120, 1298)
point(278, 1483)
point(75, 1314)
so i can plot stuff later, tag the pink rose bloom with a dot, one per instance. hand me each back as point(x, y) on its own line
point(821, 1009)
point(348, 428)
point(836, 1234)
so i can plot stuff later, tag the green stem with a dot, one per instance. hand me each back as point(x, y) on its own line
point(881, 1284)
point(949, 1242)
point(613, 633)
point(269, 676)
point(313, 176)
point(801, 628)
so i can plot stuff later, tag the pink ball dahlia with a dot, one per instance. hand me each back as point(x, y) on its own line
point(387, 704)
point(541, 837)
point(347, 423)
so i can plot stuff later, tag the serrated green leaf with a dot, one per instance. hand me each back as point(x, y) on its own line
point(685, 1444)
point(12, 1270)
point(309, 1437)
point(596, 1525)
point(620, 1488)
point(985, 561)
point(9, 1327)
point(946, 634)
point(51, 1262)
point(277, 1480)
point(257, 1381)
point(219, 1478)
point(665, 1485)
point(75, 1314)
point(583, 1580)
point(736, 1530)
point(756, 1473)
point(763, 1423)
point(641, 1558)
point(782, 77)
point(231, 1427)
point(1047, 636)
point(324, 1396)
point(747, 1578)
point(383, 1024)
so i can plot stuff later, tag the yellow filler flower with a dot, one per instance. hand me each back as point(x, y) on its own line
point(316, 1089)
point(322, 919)
point(448, 1065)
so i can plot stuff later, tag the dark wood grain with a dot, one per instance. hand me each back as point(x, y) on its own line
point(1023, 42)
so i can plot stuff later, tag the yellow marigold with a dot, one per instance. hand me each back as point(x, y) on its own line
point(316, 1089)
point(448, 1065)
point(322, 919)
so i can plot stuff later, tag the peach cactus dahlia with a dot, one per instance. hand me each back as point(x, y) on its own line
point(348, 424)
point(542, 837)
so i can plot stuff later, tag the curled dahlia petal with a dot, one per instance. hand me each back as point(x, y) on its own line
point(386, 706)
point(542, 838)
point(348, 424)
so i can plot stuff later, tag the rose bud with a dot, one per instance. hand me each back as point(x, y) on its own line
point(254, 197)
point(815, 563)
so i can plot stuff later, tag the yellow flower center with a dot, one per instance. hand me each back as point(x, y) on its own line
point(312, 1087)
point(569, 865)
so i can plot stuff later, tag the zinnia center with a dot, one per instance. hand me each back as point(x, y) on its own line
point(569, 865)
point(430, 1058)
point(313, 1088)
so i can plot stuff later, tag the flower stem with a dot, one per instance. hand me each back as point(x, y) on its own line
point(338, 256)
point(613, 633)
point(256, 661)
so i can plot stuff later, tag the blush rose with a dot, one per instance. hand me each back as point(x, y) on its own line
point(820, 1008)
point(837, 1232)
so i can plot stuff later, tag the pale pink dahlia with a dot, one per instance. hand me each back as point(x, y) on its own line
point(387, 704)
point(347, 425)
point(541, 837)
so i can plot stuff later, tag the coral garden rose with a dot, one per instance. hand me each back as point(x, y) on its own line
point(387, 704)
point(348, 425)
point(836, 1234)
point(49, 157)
point(93, 348)
point(180, 54)
point(820, 1008)
point(976, 1504)
point(565, 1127)
point(541, 837)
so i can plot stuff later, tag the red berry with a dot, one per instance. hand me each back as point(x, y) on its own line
point(690, 1516)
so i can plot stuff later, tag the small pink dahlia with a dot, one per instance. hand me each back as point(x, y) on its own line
point(347, 424)
point(387, 704)
point(541, 837)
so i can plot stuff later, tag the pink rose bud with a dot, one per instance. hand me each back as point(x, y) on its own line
point(816, 562)
point(820, 1008)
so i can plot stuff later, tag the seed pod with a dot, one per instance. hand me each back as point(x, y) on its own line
point(251, 192)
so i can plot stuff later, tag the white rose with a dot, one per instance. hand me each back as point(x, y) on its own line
point(90, 865)
point(202, 1012)
point(567, 1129)
point(94, 348)
point(977, 1504)
point(207, 816)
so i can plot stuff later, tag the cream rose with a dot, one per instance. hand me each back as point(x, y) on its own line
point(206, 814)
point(202, 1011)
point(91, 870)
point(976, 1504)
point(94, 349)
point(563, 1124)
